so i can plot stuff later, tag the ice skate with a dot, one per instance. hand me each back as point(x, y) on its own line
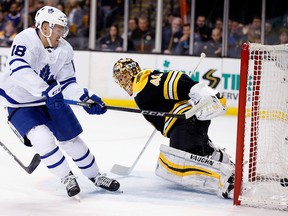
point(229, 193)
point(71, 184)
point(106, 183)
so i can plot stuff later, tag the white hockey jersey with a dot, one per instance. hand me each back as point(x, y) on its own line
point(30, 65)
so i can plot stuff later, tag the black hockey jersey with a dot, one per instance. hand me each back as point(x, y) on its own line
point(165, 92)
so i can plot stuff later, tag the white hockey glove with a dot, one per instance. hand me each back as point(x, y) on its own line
point(217, 108)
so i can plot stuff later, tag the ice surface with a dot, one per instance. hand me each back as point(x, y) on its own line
point(116, 137)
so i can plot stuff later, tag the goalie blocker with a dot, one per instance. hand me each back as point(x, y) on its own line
point(196, 172)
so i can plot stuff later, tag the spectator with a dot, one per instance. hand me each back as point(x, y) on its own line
point(271, 37)
point(254, 30)
point(171, 36)
point(113, 41)
point(167, 20)
point(202, 31)
point(31, 23)
point(61, 7)
point(219, 23)
point(283, 35)
point(108, 11)
point(75, 16)
point(132, 25)
point(213, 47)
point(184, 42)
point(201, 34)
point(143, 37)
point(86, 8)
point(86, 14)
point(5, 6)
point(2, 20)
point(34, 7)
point(14, 15)
point(235, 39)
point(51, 3)
point(7, 34)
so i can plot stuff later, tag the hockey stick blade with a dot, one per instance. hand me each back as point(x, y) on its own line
point(33, 164)
point(121, 170)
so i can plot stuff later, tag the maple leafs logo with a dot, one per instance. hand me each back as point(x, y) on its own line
point(45, 73)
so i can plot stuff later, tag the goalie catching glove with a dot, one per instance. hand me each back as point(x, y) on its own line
point(200, 91)
point(97, 106)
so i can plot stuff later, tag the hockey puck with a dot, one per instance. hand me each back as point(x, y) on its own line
point(284, 182)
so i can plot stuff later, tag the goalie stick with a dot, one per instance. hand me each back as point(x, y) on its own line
point(202, 56)
point(124, 170)
point(202, 103)
point(33, 164)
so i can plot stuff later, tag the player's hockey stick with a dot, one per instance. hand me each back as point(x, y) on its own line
point(124, 170)
point(205, 102)
point(33, 164)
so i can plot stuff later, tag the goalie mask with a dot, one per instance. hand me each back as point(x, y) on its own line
point(124, 72)
point(53, 16)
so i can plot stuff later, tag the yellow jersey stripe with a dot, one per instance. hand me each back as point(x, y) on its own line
point(186, 170)
point(178, 108)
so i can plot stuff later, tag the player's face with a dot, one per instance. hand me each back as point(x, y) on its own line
point(124, 80)
point(57, 33)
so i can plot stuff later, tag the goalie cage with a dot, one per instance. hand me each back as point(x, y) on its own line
point(261, 174)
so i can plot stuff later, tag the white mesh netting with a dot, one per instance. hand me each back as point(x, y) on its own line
point(265, 165)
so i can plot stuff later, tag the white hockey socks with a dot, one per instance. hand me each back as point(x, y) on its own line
point(43, 142)
point(83, 158)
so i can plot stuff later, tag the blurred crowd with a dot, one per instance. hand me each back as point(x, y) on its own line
point(207, 36)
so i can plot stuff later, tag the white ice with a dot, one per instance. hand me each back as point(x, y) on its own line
point(116, 137)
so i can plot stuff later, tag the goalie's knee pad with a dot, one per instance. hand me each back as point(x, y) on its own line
point(193, 171)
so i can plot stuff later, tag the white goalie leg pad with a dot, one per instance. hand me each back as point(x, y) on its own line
point(193, 171)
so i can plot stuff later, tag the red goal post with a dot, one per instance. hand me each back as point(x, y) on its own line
point(261, 173)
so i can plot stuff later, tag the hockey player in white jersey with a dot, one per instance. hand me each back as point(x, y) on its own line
point(39, 74)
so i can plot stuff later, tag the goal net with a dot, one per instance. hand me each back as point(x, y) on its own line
point(261, 175)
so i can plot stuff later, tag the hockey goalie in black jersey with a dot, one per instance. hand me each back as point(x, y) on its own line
point(191, 159)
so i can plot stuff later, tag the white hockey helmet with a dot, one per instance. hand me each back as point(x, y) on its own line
point(124, 72)
point(53, 16)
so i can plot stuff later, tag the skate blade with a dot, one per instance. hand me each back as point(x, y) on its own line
point(118, 191)
point(77, 198)
point(102, 190)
